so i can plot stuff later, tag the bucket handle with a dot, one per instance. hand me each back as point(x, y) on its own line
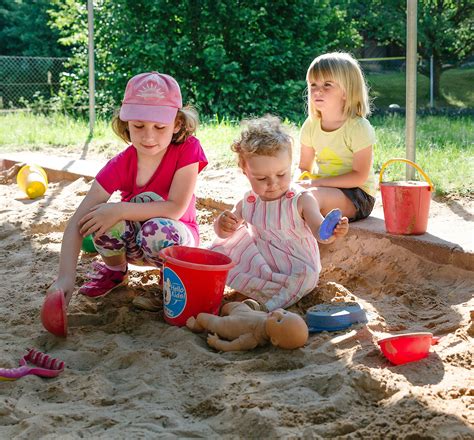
point(305, 175)
point(409, 162)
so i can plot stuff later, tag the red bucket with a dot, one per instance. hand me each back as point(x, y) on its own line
point(193, 282)
point(406, 204)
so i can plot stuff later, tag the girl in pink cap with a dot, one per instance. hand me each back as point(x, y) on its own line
point(158, 171)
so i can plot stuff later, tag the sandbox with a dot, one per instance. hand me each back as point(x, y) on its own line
point(131, 375)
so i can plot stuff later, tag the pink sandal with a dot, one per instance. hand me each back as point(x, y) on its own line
point(46, 366)
point(103, 280)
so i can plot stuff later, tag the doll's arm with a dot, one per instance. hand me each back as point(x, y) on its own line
point(228, 221)
point(203, 321)
point(243, 342)
point(206, 321)
point(193, 325)
point(229, 307)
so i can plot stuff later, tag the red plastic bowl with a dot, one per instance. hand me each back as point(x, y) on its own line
point(409, 347)
point(53, 313)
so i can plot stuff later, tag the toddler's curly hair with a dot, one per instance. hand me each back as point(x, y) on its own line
point(261, 137)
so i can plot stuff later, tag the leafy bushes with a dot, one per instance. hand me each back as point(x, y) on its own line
point(231, 58)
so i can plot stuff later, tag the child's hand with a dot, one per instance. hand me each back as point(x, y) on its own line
point(309, 180)
point(305, 183)
point(342, 228)
point(228, 222)
point(100, 219)
point(65, 286)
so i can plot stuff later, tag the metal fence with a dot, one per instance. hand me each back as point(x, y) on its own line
point(374, 66)
point(27, 82)
point(381, 65)
point(27, 79)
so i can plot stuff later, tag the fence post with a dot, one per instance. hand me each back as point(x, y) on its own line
point(410, 121)
point(90, 25)
point(431, 81)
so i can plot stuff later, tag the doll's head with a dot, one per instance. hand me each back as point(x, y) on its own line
point(345, 71)
point(286, 329)
point(264, 153)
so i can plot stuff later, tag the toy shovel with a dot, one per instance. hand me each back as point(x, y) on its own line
point(45, 366)
point(53, 313)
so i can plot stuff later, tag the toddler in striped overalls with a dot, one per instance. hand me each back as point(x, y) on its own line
point(272, 233)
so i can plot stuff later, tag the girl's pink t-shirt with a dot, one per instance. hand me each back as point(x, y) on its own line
point(120, 174)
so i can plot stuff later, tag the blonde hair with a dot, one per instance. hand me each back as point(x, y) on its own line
point(261, 137)
point(187, 117)
point(342, 68)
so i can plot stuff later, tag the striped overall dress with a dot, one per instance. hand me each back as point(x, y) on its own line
point(276, 255)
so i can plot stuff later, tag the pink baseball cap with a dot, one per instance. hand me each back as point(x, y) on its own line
point(153, 97)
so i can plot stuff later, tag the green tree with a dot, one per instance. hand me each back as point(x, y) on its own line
point(445, 29)
point(25, 29)
point(231, 58)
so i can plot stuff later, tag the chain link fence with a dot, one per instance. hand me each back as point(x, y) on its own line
point(27, 82)
point(380, 71)
point(31, 82)
point(27, 79)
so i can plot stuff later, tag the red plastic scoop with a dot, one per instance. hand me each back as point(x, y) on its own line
point(53, 313)
point(409, 347)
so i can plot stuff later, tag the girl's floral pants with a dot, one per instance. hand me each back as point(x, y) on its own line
point(141, 241)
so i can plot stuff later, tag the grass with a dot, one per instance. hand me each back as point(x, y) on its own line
point(26, 131)
point(444, 144)
point(444, 150)
point(456, 89)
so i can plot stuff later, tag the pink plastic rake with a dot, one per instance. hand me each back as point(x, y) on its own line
point(45, 366)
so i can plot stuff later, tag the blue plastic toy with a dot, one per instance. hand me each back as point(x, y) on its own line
point(334, 317)
point(329, 224)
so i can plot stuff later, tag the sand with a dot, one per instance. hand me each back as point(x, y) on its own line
point(131, 375)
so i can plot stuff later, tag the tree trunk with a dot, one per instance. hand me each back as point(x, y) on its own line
point(438, 70)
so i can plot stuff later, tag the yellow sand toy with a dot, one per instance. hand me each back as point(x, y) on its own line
point(32, 180)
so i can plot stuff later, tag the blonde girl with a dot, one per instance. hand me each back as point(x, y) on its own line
point(336, 139)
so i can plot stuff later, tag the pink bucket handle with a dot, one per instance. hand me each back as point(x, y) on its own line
point(435, 340)
point(409, 162)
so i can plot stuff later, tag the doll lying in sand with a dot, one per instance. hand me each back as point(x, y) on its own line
point(244, 328)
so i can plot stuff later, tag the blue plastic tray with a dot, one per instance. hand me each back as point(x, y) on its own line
point(334, 317)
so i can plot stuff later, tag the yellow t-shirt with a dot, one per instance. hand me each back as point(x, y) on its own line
point(334, 150)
